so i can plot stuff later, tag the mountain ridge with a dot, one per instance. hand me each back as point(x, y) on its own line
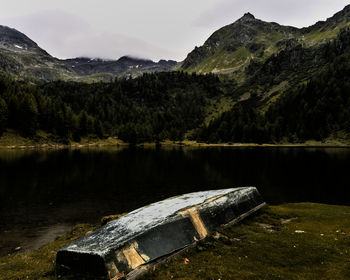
point(229, 50)
point(24, 59)
point(248, 38)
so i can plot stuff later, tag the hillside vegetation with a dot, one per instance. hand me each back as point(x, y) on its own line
point(316, 106)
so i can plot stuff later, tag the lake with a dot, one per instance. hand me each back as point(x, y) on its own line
point(44, 193)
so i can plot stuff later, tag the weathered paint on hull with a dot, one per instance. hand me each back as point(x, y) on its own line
point(143, 236)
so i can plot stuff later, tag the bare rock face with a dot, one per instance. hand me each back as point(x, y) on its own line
point(247, 17)
point(147, 234)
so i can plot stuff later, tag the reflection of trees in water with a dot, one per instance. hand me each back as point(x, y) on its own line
point(284, 175)
point(91, 183)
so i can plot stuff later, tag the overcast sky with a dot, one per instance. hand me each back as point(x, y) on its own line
point(152, 29)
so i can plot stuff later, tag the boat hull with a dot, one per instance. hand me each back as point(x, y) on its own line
point(142, 237)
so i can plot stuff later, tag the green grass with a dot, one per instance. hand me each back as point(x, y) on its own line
point(291, 241)
point(222, 60)
point(320, 36)
point(216, 107)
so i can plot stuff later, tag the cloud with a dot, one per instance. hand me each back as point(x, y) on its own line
point(113, 46)
point(152, 29)
point(66, 35)
point(299, 13)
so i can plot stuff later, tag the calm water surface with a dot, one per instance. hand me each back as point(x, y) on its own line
point(43, 193)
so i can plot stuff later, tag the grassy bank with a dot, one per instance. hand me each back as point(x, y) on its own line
point(13, 140)
point(292, 241)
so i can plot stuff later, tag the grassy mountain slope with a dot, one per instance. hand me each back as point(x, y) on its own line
point(300, 94)
point(233, 47)
point(24, 59)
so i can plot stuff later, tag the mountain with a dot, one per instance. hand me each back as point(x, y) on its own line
point(123, 66)
point(283, 85)
point(12, 40)
point(231, 48)
point(296, 95)
point(24, 59)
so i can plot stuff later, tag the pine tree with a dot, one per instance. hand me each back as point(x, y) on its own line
point(28, 115)
point(3, 115)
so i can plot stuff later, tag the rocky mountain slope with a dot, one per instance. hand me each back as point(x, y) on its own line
point(23, 58)
point(233, 47)
point(123, 66)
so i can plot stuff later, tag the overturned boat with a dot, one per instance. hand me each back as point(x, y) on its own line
point(134, 242)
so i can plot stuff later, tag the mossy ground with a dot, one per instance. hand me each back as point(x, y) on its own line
point(291, 241)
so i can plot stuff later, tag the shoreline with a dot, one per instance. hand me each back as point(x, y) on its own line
point(120, 144)
point(11, 141)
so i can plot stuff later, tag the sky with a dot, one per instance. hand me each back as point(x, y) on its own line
point(153, 29)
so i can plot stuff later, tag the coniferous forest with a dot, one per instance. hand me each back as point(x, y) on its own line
point(153, 107)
